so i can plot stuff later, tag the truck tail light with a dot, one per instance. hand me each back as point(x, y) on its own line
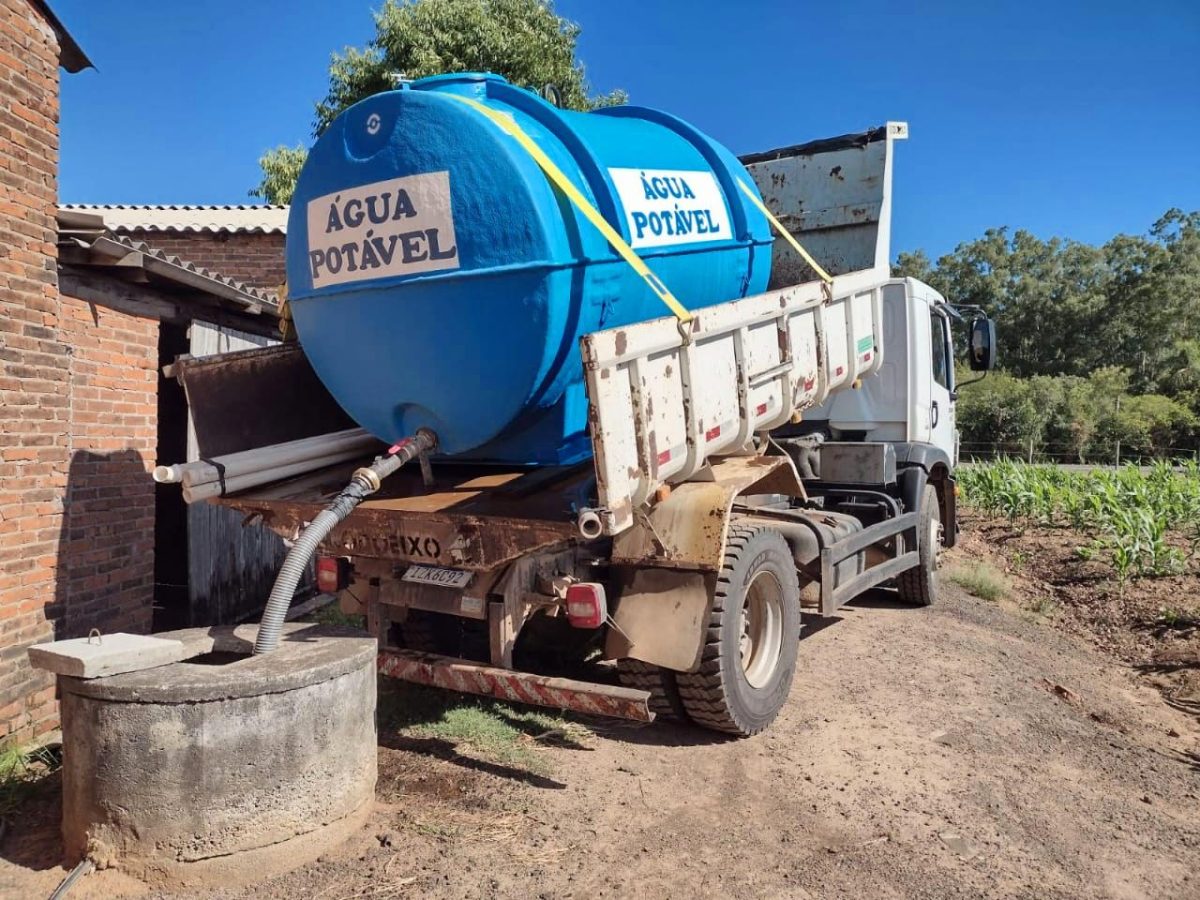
point(333, 574)
point(587, 606)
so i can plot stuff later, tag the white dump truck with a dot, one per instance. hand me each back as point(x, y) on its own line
point(773, 459)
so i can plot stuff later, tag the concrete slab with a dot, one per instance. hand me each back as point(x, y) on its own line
point(107, 654)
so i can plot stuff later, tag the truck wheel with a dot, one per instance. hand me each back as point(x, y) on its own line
point(665, 701)
point(918, 585)
point(749, 656)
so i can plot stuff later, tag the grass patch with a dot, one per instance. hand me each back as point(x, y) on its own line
point(22, 772)
point(1046, 607)
point(980, 580)
point(1180, 618)
point(332, 615)
point(488, 728)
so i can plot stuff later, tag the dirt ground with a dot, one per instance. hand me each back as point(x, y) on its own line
point(969, 749)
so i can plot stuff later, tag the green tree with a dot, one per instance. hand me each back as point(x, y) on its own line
point(1043, 295)
point(1104, 341)
point(1153, 298)
point(523, 40)
point(1147, 424)
point(1001, 410)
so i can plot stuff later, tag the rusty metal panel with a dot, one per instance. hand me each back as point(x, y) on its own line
point(254, 398)
point(687, 529)
point(472, 517)
point(231, 566)
point(517, 687)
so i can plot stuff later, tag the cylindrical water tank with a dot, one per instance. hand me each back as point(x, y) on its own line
point(438, 279)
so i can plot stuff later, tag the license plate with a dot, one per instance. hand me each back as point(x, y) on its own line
point(451, 578)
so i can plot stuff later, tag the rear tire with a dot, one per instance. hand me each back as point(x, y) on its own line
point(919, 585)
point(665, 702)
point(445, 635)
point(749, 656)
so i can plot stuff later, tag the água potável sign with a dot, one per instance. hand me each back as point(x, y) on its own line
point(668, 206)
point(401, 226)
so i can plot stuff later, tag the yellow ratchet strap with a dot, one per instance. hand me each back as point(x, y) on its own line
point(564, 184)
point(783, 232)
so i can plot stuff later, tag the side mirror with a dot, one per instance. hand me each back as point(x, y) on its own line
point(981, 348)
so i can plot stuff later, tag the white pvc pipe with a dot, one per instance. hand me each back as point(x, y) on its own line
point(249, 480)
point(168, 474)
point(200, 472)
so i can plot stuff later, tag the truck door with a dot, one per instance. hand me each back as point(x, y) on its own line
point(943, 433)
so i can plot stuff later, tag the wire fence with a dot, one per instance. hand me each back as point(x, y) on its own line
point(1118, 454)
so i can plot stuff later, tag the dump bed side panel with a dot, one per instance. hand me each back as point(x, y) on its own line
point(662, 405)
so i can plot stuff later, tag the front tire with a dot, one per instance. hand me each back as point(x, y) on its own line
point(749, 657)
point(919, 585)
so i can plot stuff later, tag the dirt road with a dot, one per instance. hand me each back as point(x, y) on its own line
point(924, 753)
point(957, 751)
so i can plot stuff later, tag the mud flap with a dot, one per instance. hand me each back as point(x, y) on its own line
point(660, 618)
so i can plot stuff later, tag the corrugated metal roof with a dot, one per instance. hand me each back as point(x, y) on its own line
point(261, 219)
point(84, 242)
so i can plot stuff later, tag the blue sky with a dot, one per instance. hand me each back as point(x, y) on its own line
point(1079, 119)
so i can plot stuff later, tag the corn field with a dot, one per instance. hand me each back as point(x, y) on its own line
point(1145, 521)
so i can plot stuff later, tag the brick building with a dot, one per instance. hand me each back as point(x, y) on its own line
point(87, 318)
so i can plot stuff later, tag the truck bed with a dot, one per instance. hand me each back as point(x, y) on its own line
point(471, 517)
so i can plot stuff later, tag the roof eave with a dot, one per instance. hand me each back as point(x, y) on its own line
point(70, 55)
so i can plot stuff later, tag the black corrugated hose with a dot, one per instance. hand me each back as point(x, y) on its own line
point(363, 483)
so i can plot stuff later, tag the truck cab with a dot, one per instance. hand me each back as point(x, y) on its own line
point(912, 398)
point(835, 196)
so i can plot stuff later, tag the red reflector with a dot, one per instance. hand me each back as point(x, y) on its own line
point(331, 574)
point(664, 457)
point(840, 370)
point(867, 356)
point(762, 409)
point(587, 606)
point(712, 433)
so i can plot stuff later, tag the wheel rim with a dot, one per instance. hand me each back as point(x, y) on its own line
point(762, 629)
point(935, 539)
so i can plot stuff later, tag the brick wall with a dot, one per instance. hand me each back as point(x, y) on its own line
point(77, 410)
point(77, 546)
point(106, 554)
point(34, 366)
point(255, 258)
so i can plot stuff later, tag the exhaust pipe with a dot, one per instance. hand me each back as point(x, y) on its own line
point(590, 524)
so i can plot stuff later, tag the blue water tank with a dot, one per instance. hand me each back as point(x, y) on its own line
point(437, 279)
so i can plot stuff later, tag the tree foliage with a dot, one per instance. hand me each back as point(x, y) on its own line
point(1067, 308)
point(523, 40)
point(1100, 344)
